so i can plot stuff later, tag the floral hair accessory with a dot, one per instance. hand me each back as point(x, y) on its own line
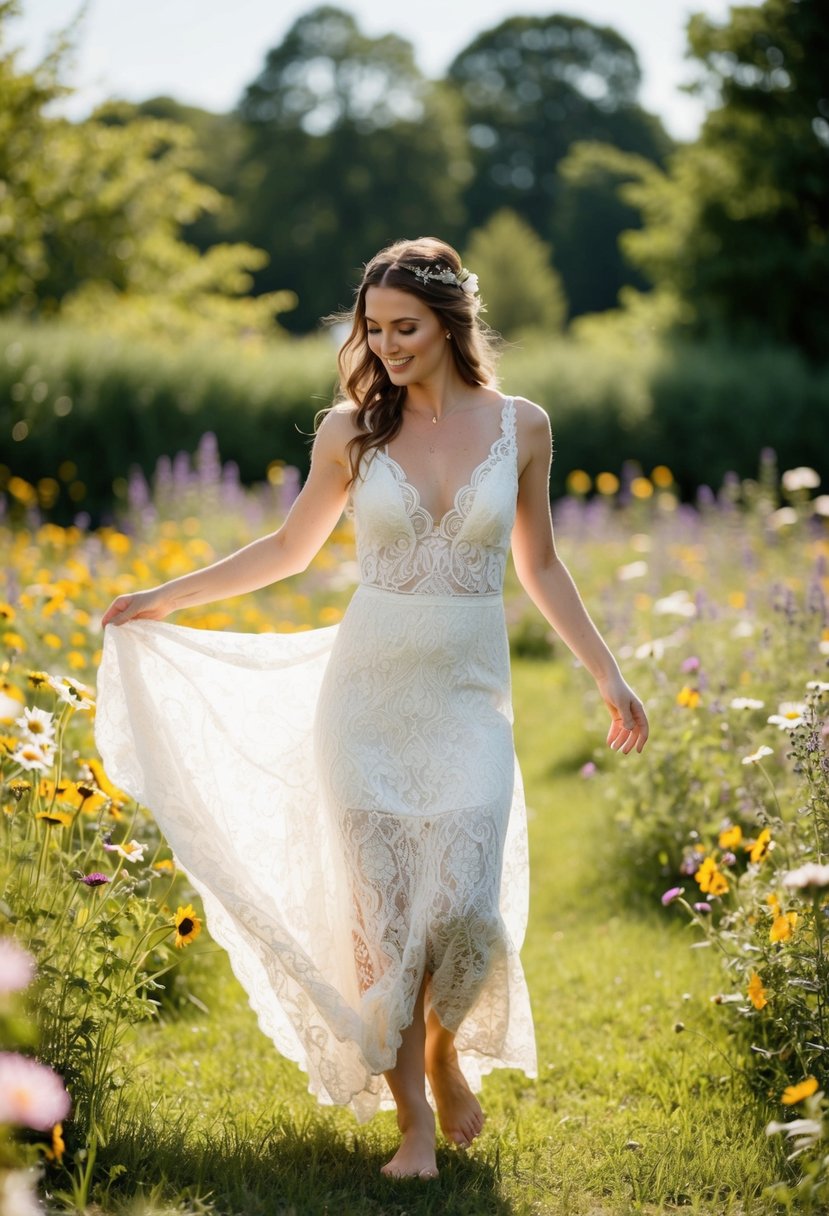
point(464, 279)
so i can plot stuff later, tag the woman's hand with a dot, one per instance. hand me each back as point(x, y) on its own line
point(151, 605)
point(629, 722)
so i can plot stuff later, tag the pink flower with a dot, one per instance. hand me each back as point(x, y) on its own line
point(702, 906)
point(95, 879)
point(671, 894)
point(31, 1094)
point(588, 769)
point(17, 967)
point(690, 664)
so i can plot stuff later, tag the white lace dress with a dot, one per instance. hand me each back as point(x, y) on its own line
point(347, 800)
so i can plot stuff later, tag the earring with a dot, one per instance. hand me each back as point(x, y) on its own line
point(448, 337)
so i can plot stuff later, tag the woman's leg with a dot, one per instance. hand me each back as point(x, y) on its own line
point(416, 1155)
point(459, 1111)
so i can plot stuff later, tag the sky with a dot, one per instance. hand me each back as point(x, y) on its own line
point(204, 52)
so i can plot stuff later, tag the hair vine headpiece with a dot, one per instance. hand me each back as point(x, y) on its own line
point(464, 279)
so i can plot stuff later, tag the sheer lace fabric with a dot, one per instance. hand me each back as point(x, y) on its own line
point(347, 800)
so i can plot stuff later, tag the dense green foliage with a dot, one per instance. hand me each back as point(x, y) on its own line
point(737, 228)
point(110, 404)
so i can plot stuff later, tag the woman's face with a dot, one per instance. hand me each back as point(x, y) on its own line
point(405, 334)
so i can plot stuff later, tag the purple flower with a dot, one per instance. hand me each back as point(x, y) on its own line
point(17, 967)
point(702, 906)
point(728, 858)
point(671, 894)
point(588, 769)
point(95, 879)
point(690, 664)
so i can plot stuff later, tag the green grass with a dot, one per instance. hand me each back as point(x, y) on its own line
point(628, 1115)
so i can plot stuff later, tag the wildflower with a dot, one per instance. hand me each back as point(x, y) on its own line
point(37, 724)
point(31, 1094)
point(817, 686)
point(32, 756)
point(632, 570)
point(809, 875)
point(164, 866)
point(730, 837)
point(702, 905)
point(671, 894)
point(188, 925)
point(7, 613)
point(789, 715)
point(759, 847)
point(95, 879)
point(756, 991)
point(72, 692)
point(801, 478)
point(689, 697)
point(711, 880)
point(746, 703)
point(17, 967)
point(133, 851)
point(757, 756)
point(37, 679)
point(97, 770)
point(678, 603)
point(796, 1093)
point(690, 664)
point(64, 818)
point(55, 1153)
point(19, 787)
point(588, 770)
point(782, 927)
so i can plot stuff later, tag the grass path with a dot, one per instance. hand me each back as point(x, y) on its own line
point(628, 1114)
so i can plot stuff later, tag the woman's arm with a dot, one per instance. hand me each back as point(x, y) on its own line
point(550, 586)
point(310, 521)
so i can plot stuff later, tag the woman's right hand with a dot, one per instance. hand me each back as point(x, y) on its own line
point(151, 605)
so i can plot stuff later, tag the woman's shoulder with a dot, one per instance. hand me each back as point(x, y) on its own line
point(531, 417)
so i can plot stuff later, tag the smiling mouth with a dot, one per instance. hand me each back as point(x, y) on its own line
point(399, 362)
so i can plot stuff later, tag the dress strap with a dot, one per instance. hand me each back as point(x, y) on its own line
point(508, 419)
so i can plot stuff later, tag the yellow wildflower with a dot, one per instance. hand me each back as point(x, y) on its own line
point(55, 1153)
point(55, 816)
point(689, 697)
point(710, 878)
point(782, 926)
point(165, 866)
point(731, 837)
point(796, 1093)
point(14, 641)
point(52, 640)
point(7, 613)
point(187, 925)
point(759, 847)
point(756, 991)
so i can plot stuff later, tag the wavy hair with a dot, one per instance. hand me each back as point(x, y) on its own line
point(363, 379)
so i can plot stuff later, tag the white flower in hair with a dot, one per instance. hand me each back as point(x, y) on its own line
point(464, 279)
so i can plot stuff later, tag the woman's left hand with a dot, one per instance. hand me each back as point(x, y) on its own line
point(629, 722)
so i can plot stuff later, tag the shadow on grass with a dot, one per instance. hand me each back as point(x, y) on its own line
point(284, 1167)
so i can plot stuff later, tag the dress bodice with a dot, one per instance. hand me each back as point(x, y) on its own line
point(400, 547)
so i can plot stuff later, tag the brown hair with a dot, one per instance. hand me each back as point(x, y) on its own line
point(363, 378)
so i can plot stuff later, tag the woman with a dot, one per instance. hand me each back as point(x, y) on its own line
point(360, 841)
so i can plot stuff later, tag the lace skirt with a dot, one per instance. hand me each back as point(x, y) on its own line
point(348, 805)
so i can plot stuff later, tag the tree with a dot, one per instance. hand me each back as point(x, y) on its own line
point(350, 148)
point(91, 215)
point(530, 88)
point(521, 290)
point(738, 227)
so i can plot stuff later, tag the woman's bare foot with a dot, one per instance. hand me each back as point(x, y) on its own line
point(459, 1111)
point(416, 1156)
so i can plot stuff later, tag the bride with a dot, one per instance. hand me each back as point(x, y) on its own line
point(360, 847)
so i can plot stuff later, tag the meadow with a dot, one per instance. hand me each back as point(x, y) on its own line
point(676, 953)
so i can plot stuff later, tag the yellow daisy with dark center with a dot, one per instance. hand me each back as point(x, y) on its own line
point(188, 925)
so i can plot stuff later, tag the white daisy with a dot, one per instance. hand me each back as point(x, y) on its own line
point(32, 756)
point(808, 875)
point(38, 724)
point(72, 692)
point(746, 703)
point(757, 756)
